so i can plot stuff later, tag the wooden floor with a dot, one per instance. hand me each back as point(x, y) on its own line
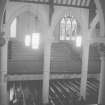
point(62, 92)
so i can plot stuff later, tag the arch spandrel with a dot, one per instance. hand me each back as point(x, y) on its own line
point(81, 15)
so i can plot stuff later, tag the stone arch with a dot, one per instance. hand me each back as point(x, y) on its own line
point(23, 9)
point(2, 11)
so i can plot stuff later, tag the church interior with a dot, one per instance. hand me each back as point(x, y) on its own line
point(52, 52)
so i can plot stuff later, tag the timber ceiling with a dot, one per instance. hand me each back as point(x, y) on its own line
point(73, 3)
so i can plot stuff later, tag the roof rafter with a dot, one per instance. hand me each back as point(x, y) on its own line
point(68, 3)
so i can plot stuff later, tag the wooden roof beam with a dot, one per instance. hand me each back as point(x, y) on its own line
point(99, 39)
point(55, 4)
point(94, 21)
point(28, 1)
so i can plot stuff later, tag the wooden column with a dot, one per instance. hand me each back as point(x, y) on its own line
point(3, 75)
point(46, 69)
point(85, 57)
point(101, 96)
point(84, 72)
point(3, 65)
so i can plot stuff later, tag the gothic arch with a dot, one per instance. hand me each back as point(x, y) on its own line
point(60, 14)
point(3, 4)
point(17, 12)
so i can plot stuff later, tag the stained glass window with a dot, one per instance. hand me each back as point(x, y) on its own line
point(68, 27)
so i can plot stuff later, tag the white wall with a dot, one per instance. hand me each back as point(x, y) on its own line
point(80, 14)
point(15, 9)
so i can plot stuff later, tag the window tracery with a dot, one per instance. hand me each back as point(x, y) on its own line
point(68, 28)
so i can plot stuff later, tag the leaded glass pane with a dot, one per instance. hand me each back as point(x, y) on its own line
point(68, 27)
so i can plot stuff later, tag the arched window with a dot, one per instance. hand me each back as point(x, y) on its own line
point(68, 28)
point(13, 28)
